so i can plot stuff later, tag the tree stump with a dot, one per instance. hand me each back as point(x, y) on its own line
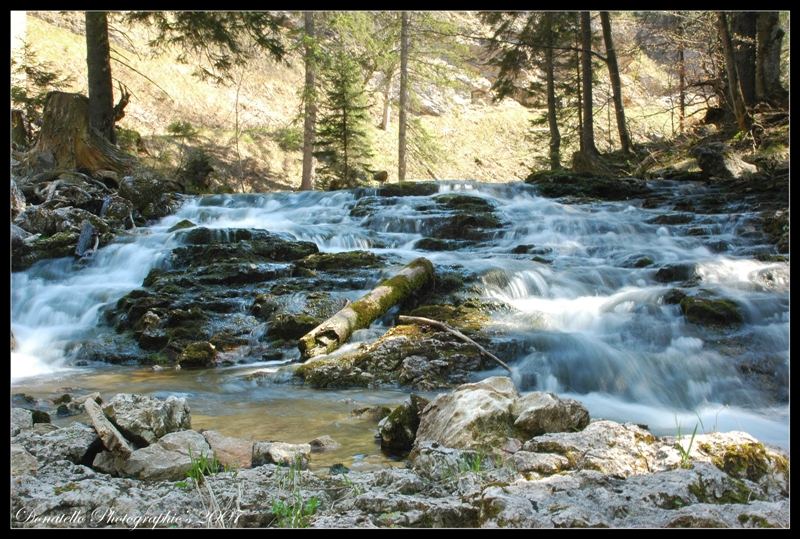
point(66, 141)
point(19, 134)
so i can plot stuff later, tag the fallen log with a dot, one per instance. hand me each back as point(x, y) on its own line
point(441, 325)
point(336, 330)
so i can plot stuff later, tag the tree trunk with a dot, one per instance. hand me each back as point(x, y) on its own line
point(552, 120)
point(743, 30)
point(101, 89)
point(616, 84)
point(768, 59)
point(401, 153)
point(19, 135)
point(681, 80)
point(734, 86)
point(336, 330)
point(66, 140)
point(578, 85)
point(310, 99)
point(387, 102)
point(586, 83)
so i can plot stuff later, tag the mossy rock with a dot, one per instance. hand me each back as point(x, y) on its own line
point(711, 312)
point(743, 461)
point(343, 261)
point(464, 203)
point(674, 296)
point(469, 317)
point(565, 183)
point(59, 245)
point(434, 244)
point(467, 227)
point(732, 492)
point(671, 219)
point(408, 189)
point(199, 354)
point(399, 430)
point(675, 272)
point(291, 326)
point(180, 225)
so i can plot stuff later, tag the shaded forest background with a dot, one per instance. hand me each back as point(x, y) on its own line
point(249, 126)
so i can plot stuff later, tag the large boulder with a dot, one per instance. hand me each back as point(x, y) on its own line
point(169, 459)
point(605, 446)
point(718, 160)
point(537, 413)
point(21, 419)
point(229, 451)
point(110, 436)
point(22, 462)
point(145, 419)
point(281, 453)
point(76, 443)
point(475, 416)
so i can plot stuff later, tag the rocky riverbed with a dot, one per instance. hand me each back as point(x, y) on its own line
point(481, 456)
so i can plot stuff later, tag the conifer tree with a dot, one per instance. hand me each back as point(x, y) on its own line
point(342, 139)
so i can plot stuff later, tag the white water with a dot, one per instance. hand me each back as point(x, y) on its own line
point(588, 325)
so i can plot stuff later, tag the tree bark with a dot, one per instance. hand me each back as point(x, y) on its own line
point(387, 102)
point(681, 79)
point(401, 152)
point(586, 83)
point(101, 89)
point(743, 29)
point(578, 83)
point(336, 330)
point(66, 141)
point(768, 59)
point(552, 119)
point(310, 99)
point(19, 134)
point(734, 86)
point(616, 84)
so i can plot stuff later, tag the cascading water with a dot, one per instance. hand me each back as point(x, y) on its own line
point(585, 314)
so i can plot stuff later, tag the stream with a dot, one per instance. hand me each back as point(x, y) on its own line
point(584, 315)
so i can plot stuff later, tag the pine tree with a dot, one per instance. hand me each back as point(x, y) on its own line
point(342, 140)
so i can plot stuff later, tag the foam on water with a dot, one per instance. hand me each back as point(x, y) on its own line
point(588, 314)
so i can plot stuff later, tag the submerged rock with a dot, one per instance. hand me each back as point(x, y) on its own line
point(711, 312)
point(323, 443)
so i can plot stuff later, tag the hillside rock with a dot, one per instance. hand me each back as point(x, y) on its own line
point(718, 160)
